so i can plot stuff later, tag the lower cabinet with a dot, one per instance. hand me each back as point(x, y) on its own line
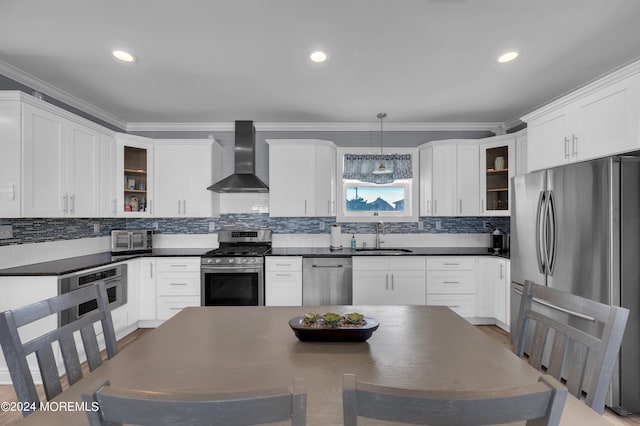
point(493, 291)
point(283, 281)
point(167, 285)
point(384, 280)
point(451, 281)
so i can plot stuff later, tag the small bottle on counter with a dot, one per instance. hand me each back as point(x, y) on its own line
point(353, 242)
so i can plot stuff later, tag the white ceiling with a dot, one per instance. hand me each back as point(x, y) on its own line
point(213, 61)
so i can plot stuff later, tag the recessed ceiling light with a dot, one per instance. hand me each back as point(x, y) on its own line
point(318, 56)
point(508, 57)
point(124, 56)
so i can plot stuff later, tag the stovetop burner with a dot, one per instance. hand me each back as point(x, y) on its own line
point(229, 251)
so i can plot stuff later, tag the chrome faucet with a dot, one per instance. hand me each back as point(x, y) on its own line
point(379, 226)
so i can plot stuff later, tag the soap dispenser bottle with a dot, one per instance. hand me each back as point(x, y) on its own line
point(353, 242)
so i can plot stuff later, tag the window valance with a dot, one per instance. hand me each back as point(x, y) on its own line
point(362, 166)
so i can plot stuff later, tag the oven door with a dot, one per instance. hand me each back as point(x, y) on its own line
point(232, 286)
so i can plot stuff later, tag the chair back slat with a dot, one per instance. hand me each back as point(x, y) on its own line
point(70, 358)
point(117, 406)
point(91, 349)
point(579, 356)
point(539, 403)
point(49, 372)
point(539, 337)
point(557, 356)
point(583, 359)
point(16, 352)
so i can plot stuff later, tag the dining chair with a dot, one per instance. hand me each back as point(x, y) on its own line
point(119, 405)
point(538, 403)
point(581, 359)
point(16, 352)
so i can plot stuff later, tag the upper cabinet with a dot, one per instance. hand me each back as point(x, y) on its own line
point(60, 166)
point(497, 167)
point(302, 178)
point(598, 120)
point(183, 171)
point(449, 178)
point(108, 199)
point(134, 175)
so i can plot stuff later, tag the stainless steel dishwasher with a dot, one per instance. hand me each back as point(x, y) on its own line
point(326, 281)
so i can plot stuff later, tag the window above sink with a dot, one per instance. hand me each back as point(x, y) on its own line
point(360, 201)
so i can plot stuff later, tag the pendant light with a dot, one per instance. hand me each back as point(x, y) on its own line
point(381, 170)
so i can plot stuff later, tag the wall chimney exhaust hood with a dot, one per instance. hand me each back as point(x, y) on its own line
point(244, 179)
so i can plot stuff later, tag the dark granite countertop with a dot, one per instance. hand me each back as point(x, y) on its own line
point(79, 263)
point(415, 251)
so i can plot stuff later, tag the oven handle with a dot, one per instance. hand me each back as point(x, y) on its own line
point(243, 268)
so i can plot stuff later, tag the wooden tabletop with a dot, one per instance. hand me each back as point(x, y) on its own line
point(240, 348)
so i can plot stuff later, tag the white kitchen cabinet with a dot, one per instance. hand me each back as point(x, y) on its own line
point(449, 178)
point(302, 178)
point(493, 291)
point(385, 280)
point(134, 176)
point(451, 281)
point(497, 167)
point(183, 171)
point(177, 285)
point(283, 281)
point(595, 121)
point(10, 164)
point(60, 166)
point(108, 200)
point(146, 289)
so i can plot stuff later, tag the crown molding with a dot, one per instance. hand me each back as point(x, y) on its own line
point(58, 94)
point(317, 127)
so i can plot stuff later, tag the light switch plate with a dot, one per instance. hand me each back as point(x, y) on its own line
point(212, 226)
point(6, 231)
point(438, 224)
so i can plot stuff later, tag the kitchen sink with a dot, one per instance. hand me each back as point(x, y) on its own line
point(383, 251)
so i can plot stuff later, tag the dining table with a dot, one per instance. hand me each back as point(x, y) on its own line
point(205, 349)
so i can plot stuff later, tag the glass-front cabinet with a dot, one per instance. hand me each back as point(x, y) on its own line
point(497, 167)
point(135, 176)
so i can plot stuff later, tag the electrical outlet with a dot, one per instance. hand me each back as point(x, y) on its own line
point(438, 224)
point(321, 225)
point(6, 231)
point(96, 228)
point(420, 225)
point(486, 224)
point(212, 226)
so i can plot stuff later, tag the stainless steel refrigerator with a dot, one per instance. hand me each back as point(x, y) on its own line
point(577, 228)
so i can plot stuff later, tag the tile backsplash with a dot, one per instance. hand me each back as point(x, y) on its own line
point(54, 229)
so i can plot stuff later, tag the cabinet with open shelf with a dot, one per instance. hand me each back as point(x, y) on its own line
point(135, 175)
point(497, 167)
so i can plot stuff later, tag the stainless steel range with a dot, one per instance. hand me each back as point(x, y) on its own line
point(233, 274)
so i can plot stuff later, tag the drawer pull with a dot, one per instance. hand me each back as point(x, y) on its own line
point(179, 266)
point(178, 284)
point(175, 309)
point(284, 264)
point(283, 275)
point(451, 264)
point(451, 282)
point(453, 306)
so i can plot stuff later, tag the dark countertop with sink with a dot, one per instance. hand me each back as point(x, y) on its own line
point(79, 263)
point(386, 251)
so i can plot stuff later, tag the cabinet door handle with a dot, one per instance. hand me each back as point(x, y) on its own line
point(435, 206)
point(73, 204)
point(305, 207)
point(482, 205)
point(392, 282)
point(566, 147)
point(501, 271)
point(387, 282)
point(184, 207)
point(574, 143)
point(461, 206)
point(150, 206)
point(178, 207)
point(151, 270)
point(428, 206)
point(114, 206)
point(65, 199)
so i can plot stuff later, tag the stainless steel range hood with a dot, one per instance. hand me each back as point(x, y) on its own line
point(244, 179)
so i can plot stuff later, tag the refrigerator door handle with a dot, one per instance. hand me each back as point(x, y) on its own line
point(539, 230)
point(551, 207)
